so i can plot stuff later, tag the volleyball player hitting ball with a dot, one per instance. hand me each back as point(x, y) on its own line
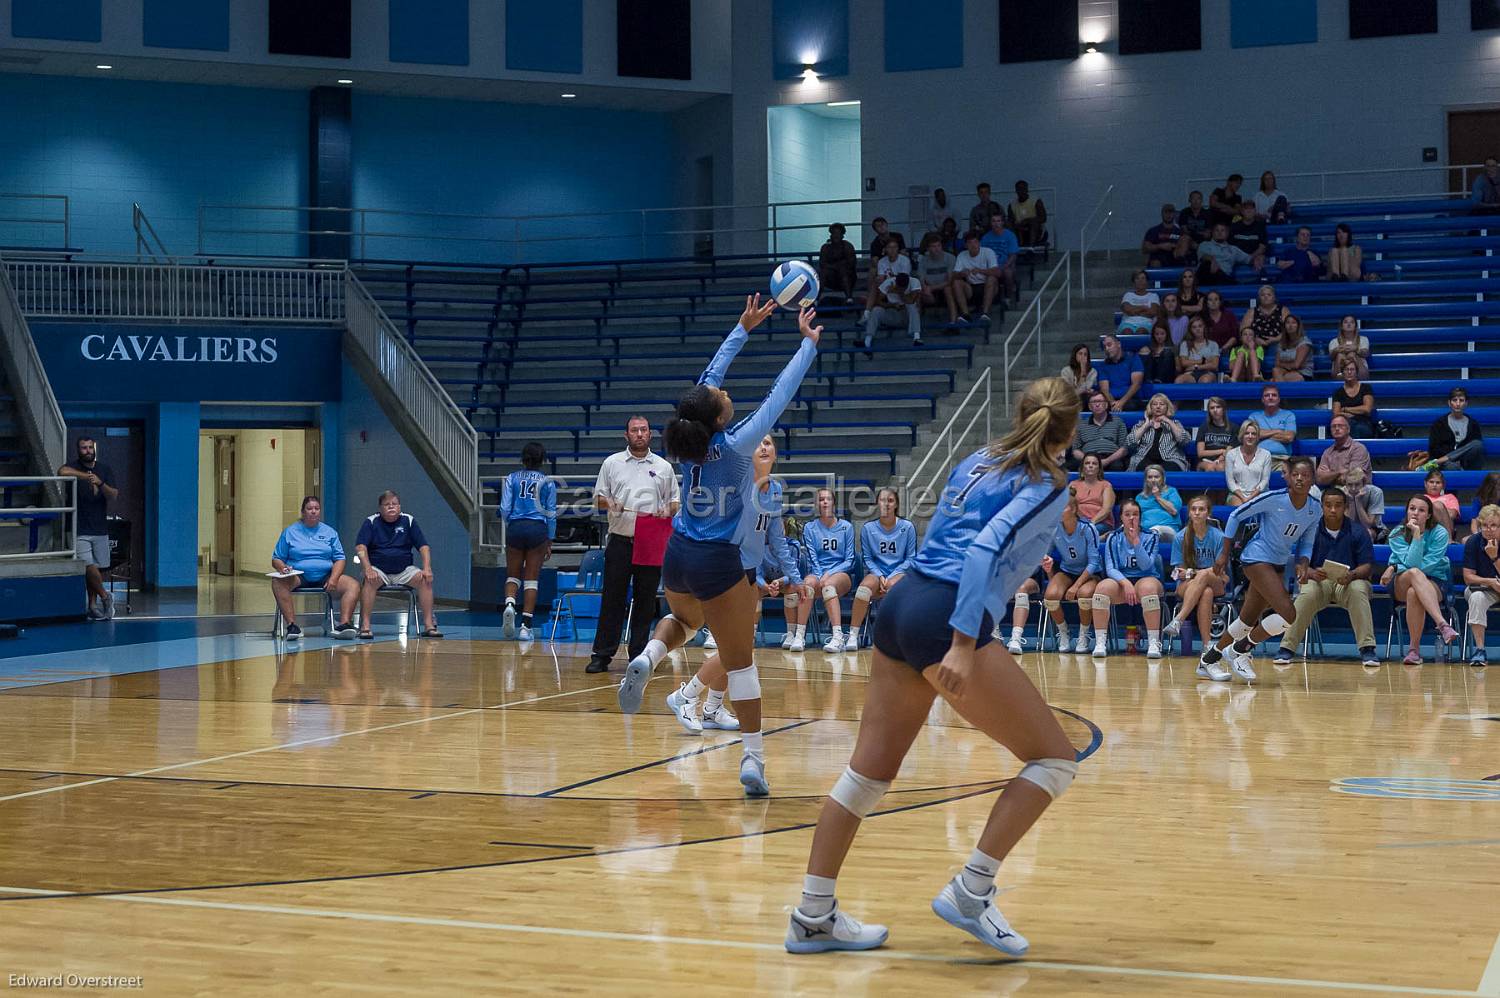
point(996, 518)
point(1284, 515)
point(701, 572)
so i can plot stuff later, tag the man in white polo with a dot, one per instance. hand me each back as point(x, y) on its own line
point(385, 545)
point(633, 483)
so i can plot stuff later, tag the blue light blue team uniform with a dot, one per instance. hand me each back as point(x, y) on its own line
point(1124, 560)
point(528, 505)
point(703, 556)
point(1281, 526)
point(829, 549)
point(1206, 549)
point(989, 533)
point(1078, 552)
point(310, 551)
point(888, 554)
point(765, 553)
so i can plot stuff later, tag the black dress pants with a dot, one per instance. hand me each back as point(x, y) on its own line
point(620, 576)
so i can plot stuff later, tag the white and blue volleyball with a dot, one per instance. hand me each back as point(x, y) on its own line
point(794, 284)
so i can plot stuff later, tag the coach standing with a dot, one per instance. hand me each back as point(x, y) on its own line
point(635, 482)
point(95, 489)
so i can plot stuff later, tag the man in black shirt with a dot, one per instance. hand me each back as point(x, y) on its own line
point(883, 235)
point(1196, 220)
point(95, 488)
point(1249, 232)
point(1224, 202)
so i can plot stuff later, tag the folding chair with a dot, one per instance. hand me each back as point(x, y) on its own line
point(590, 582)
point(1395, 632)
point(407, 593)
point(278, 629)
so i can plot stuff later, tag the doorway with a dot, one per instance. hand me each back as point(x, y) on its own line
point(250, 486)
point(1472, 137)
point(813, 155)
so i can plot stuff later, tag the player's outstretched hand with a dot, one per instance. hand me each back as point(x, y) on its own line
point(755, 313)
point(805, 324)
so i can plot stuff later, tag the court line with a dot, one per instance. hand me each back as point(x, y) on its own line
point(301, 742)
point(1489, 984)
point(739, 944)
point(1433, 845)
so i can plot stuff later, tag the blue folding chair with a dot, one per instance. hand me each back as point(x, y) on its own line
point(590, 582)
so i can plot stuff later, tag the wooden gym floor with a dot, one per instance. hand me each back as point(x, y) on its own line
point(458, 817)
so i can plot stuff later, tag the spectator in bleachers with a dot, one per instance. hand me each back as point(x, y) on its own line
point(1267, 319)
point(1366, 502)
point(1223, 324)
point(1189, 298)
point(887, 544)
point(1344, 453)
point(1200, 560)
point(829, 544)
point(1121, 375)
point(939, 212)
point(1196, 219)
point(1158, 438)
point(1294, 353)
point(981, 213)
point(883, 235)
point(1003, 243)
point(1454, 440)
point(1344, 540)
point(1100, 434)
point(976, 275)
point(1278, 426)
point(952, 241)
point(1247, 468)
point(1173, 318)
point(311, 548)
point(837, 264)
point(1345, 258)
point(1350, 343)
point(1485, 194)
point(1249, 232)
point(896, 305)
point(1419, 573)
point(1133, 577)
point(1481, 567)
point(1444, 503)
point(1161, 504)
point(1159, 357)
point(892, 261)
point(1080, 373)
point(386, 543)
point(1198, 356)
point(1215, 436)
point(1246, 358)
point(1488, 495)
point(1027, 216)
point(1224, 202)
point(1166, 244)
point(1096, 497)
point(933, 268)
point(1270, 203)
point(1299, 264)
point(1218, 257)
point(1354, 400)
point(1139, 306)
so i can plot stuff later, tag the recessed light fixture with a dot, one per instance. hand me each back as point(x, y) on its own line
point(809, 74)
point(843, 103)
point(347, 82)
point(1091, 48)
point(103, 66)
point(569, 96)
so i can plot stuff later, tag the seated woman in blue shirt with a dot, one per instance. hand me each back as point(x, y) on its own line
point(1200, 565)
point(1131, 564)
point(1161, 505)
point(829, 543)
point(312, 548)
point(888, 544)
point(1419, 570)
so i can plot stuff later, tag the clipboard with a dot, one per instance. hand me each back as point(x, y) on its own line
point(1336, 571)
point(651, 536)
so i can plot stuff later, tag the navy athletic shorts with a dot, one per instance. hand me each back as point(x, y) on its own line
point(523, 535)
point(702, 569)
point(913, 623)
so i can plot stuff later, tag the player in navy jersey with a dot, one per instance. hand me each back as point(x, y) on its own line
point(702, 574)
point(1132, 566)
point(1072, 571)
point(829, 543)
point(1200, 560)
point(994, 521)
point(528, 505)
point(888, 545)
point(1284, 515)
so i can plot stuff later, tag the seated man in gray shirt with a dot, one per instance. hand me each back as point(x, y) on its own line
point(1101, 432)
point(1218, 257)
point(1366, 502)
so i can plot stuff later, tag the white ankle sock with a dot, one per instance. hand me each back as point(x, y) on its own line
point(801, 631)
point(714, 702)
point(510, 601)
point(817, 896)
point(838, 634)
point(754, 744)
point(979, 873)
point(1153, 635)
point(655, 651)
point(693, 689)
point(1015, 633)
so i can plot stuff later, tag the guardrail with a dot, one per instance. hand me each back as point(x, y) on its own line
point(1360, 185)
point(64, 517)
point(180, 290)
point(1085, 236)
point(975, 405)
point(147, 242)
point(36, 220)
point(1035, 316)
point(35, 404)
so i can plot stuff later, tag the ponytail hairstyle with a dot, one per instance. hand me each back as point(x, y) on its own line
point(532, 455)
point(1045, 419)
point(697, 420)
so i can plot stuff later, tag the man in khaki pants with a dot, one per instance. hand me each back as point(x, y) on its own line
point(1344, 540)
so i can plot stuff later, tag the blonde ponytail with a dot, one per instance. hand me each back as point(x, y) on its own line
point(1046, 418)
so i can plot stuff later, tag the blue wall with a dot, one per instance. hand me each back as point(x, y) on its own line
point(926, 37)
point(66, 20)
point(186, 24)
point(172, 485)
point(1272, 22)
point(545, 37)
point(434, 32)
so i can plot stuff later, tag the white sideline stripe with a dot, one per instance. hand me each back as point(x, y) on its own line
point(1489, 984)
point(300, 743)
point(638, 937)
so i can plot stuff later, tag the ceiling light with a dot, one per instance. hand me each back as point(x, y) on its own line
point(569, 96)
point(843, 103)
point(103, 66)
point(346, 82)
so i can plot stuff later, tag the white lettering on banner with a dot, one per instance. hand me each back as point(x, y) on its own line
point(180, 349)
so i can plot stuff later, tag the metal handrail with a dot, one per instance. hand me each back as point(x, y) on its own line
point(947, 442)
point(1084, 236)
point(53, 485)
point(1324, 176)
point(1036, 313)
point(147, 242)
point(34, 400)
point(67, 213)
point(449, 435)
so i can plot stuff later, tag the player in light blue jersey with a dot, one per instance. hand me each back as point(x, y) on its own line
point(704, 579)
point(829, 543)
point(993, 522)
point(888, 545)
point(1284, 515)
point(1132, 566)
point(528, 505)
point(1200, 560)
point(1071, 571)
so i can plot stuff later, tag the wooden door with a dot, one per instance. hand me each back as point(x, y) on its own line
point(1473, 136)
point(224, 505)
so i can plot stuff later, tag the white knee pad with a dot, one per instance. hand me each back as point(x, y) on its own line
point(744, 684)
point(858, 794)
point(1100, 601)
point(513, 581)
point(1023, 601)
point(830, 592)
point(1052, 775)
point(531, 584)
point(864, 593)
point(1238, 629)
point(1150, 603)
point(1052, 605)
point(1274, 624)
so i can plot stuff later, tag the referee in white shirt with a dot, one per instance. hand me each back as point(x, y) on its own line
point(634, 482)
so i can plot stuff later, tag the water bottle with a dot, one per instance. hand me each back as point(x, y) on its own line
point(1132, 636)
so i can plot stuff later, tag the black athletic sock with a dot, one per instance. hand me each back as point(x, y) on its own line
point(525, 620)
point(1211, 654)
point(1244, 646)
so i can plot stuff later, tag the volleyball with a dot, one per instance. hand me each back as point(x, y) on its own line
point(794, 284)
